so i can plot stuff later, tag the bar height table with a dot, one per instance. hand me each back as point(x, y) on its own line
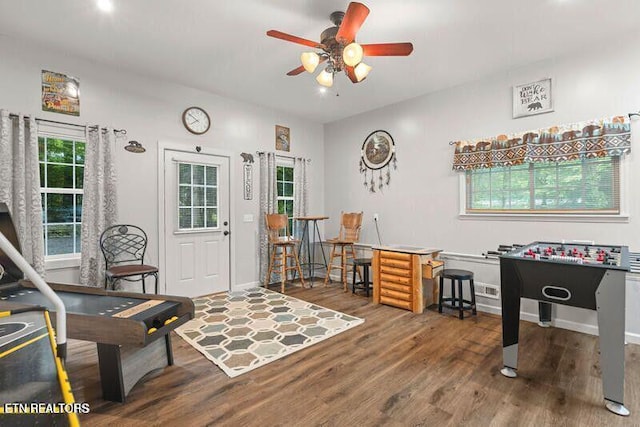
point(315, 231)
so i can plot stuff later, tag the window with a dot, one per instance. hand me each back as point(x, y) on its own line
point(61, 183)
point(284, 182)
point(588, 186)
point(198, 196)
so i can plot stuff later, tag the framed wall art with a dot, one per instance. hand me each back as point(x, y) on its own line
point(378, 151)
point(532, 98)
point(283, 138)
point(60, 93)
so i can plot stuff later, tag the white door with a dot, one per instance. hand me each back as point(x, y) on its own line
point(196, 223)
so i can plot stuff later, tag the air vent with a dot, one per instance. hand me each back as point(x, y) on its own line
point(487, 290)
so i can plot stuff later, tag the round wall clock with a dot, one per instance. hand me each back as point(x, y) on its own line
point(196, 120)
point(378, 150)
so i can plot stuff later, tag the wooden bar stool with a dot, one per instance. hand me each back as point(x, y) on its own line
point(280, 238)
point(350, 224)
point(457, 302)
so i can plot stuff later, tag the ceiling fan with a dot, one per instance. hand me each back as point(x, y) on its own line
point(339, 48)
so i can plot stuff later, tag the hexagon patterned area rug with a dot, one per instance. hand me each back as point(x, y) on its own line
point(243, 330)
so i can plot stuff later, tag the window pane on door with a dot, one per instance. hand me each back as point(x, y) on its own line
point(197, 196)
point(184, 217)
point(198, 174)
point(185, 196)
point(198, 218)
point(212, 175)
point(212, 217)
point(184, 174)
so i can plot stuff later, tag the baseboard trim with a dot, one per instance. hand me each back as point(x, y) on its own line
point(629, 337)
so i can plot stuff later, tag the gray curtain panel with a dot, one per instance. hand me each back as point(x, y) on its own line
point(20, 184)
point(99, 203)
point(300, 197)
point(268, 204)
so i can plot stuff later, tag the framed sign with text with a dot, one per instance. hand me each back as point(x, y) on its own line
point(532, 98)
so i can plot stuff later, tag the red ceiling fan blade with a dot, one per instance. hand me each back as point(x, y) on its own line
point(296, 71)
point(300, 69)
point(352, 21)
point(349, 71)
point(387, 49)
point(294, 39)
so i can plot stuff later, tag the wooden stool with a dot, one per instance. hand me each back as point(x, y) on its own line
point(350, 224)
point(462, 304)
point(345, 251)
point(365, 263)
point(280, 238)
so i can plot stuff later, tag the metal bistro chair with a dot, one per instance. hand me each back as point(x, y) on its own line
point(123, 247)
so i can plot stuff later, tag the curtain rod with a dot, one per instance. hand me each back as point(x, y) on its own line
point(123, 131)
point(286, 157)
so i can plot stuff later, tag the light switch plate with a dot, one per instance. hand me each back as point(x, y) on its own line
point(247, 218)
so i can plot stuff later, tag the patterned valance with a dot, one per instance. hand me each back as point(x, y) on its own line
point(596, 138)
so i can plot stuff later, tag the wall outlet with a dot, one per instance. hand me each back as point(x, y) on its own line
point(376, 217)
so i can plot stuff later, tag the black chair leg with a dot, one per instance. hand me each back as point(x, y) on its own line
point(453, 292)
point(353, 281)
point(144, 289)
point(156, 276)
point(460, 300)
point(440, 294)
point(366, 278)
point(473, 298)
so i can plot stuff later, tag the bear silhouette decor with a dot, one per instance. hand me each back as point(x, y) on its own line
point(534, 106)
point(247, 157)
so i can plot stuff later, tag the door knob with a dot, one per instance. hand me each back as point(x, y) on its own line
point(226, 232)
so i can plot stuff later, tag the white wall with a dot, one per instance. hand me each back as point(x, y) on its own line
point(150, 110)
point(421, 206)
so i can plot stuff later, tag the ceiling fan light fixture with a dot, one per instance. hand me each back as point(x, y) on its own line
point(310, 61)
point(361, 71)
point(325, 78)
point(352, 54)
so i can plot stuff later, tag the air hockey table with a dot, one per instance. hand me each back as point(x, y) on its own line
point(592, 277)
point(132, 330)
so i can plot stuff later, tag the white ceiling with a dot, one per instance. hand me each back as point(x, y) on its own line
point(220, 45)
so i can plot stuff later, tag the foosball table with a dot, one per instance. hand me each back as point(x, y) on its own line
point(577, 275)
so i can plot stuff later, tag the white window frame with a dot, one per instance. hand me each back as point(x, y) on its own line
point(53, 130)
point(288, 163)
point(622, 217)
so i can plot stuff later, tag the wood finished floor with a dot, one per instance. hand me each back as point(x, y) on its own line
point(397, 369)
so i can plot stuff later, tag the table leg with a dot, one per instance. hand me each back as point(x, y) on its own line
point(544, 314)
point(324, 257)
point(309, 255)
point(610, 302)
point(302, 241)
point(510, 319)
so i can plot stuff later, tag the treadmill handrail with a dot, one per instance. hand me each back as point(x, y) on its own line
point(38, 281)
